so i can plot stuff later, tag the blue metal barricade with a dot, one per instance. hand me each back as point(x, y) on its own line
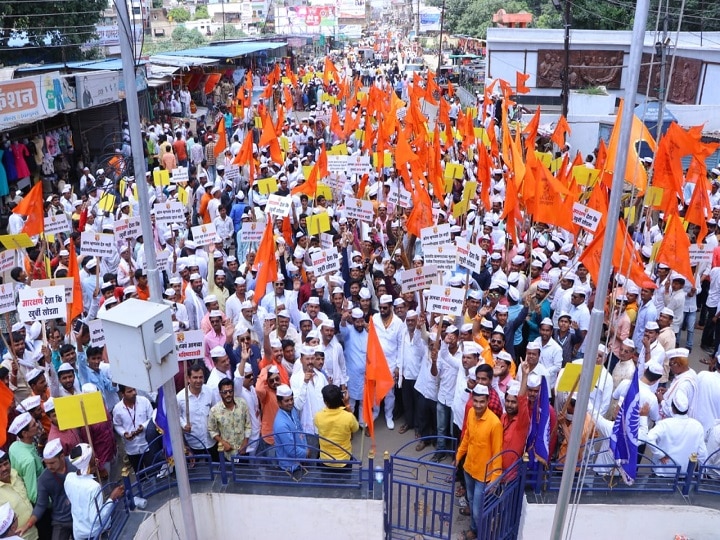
point(502, 502)
point(419, 494)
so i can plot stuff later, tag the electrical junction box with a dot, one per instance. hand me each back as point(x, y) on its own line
point(140, 344)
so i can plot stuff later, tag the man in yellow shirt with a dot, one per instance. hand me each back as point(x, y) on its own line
point(481, 445)
point(335, 427)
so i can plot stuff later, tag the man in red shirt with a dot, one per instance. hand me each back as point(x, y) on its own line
point(516, 419)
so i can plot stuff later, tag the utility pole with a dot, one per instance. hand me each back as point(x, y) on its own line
point(417, 22)
point(566, 70)
point(127, 33)
point(661, 50)
point(592, 340)
point(442, 25)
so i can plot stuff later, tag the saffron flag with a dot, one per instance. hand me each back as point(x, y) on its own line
point(31, 206)
point(675, 248)
point(624, 438)
point(221, 143)
point(76, 308)
point(538, 444)
point(6, 399)
point(265, 262)
point(521, 79)
point(378, 379)
point(558, 135)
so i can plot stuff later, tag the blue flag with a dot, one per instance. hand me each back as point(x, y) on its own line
point(538, 446)
point(162, 423)
point(624, 439)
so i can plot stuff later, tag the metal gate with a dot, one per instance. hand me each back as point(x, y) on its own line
point(419, 493)
point(502, 504)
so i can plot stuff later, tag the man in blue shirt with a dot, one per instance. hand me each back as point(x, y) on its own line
point(290, 442)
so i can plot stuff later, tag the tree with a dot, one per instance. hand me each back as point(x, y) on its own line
point(201, 12)
point(178, 15)
point(474, 17)
point(157, 4)
point(228, 32)
point(53, 31)
point(187, 39)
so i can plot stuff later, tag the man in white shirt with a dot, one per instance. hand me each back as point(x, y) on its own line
point(224, 227)
point(413, 351)
point(678, 436)
point(307, 384)
point(194, 404)
point(334, 367)
point(684, 381)
point(580, 316)
point(651, 350)
point(551, 354)
point(130, 418)
point(707, 399)
point(388, 328)
point(221, 370)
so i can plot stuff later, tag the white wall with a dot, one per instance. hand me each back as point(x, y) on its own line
point(230, 516)
point(603, 522)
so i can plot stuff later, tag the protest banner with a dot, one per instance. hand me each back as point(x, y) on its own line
point(65, 282)
point(97, 244)
point(325, 261)
point(586, 217)
point(162, 258)
point(326, 240)
point(7, 298)
point(12, 241)
point(417, 279)
point(127, 228)
point(189, 345)
point(97, 334)
point(336, 164)
point(359, 209)
point(445, 300)
point(469, 255)
point(435, 235)
point(700, 254)
point(169, 212)
point(252, 231)
point(41, 304)
point(232, 173)
point(57, 224)
point(7, 259)
point(279, 206)
point(443, 257)
point(180, 174)
point(204, 235)
point(358, 164)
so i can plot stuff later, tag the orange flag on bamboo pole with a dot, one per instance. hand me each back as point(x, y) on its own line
point(76, 308)
point(558, 135)
point(6, 399)
point(221, 143)
point(378, 379)
point(265, 262)
point(31, 206)
point(675, 248)
point(520, 80)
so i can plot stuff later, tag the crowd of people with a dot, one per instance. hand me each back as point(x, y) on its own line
point(282, 371)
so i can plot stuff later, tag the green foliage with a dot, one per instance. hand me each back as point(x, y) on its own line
point(230, 32)
point(54, 30)
point(549, 17)
point(178, 15)
point(157, 4)
point(187, 38)
point(201, 12)
point(474, 17)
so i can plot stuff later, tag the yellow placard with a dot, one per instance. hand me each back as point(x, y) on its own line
point(325, 191)
point(338, 150)
point(555, 164)
point(306, 170)
point(544, 157)
point(654, 196)
point(360, 96)
point(107, 202)
point(286, 80)
point(655, 248)
point(122, 186)
point(571, 374)
point(161, 177)
point(13, 241)
point(69, 410)
point(284, 144)
point(585, 176)
point(448, 184)
point(319, 223)
point(307, 77)
point(135, 195)
point(360, 134)
point(267, 185)
point(468, 192)
point(387, 159)
point(629, 214)
point(258, 122)
point(182, 196)
point(482, 135)
point(472, 111)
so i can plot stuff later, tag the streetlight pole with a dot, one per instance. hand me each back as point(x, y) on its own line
point(442, 26)
point(660, 50)
point(127, 33)
point(566, 71)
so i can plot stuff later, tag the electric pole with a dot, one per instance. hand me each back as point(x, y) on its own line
point(566, 70)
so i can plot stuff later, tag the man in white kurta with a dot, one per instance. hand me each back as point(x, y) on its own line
point(389, 332)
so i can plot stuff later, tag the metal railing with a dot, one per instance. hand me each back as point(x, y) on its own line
point(393, 481)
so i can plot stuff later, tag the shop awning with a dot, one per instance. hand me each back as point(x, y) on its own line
point(155, 83)
point(156, 71)
point(181, 61)
point(227, 51)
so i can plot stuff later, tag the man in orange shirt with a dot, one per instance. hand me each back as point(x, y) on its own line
point(141, 284)
point(482, 443)
point(180, 149)
point(267, 383)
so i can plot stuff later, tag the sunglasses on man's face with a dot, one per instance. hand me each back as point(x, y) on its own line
point(274, 379)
